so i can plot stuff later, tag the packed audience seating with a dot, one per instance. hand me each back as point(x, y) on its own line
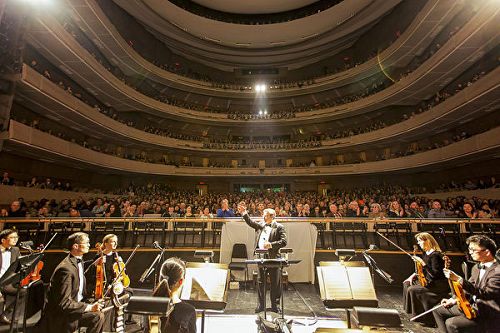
point(350, 209)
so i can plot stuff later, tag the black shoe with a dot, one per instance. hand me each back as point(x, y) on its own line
point(4, 319)
point(259, 309)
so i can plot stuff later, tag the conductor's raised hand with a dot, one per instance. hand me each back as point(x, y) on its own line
point(242, 207)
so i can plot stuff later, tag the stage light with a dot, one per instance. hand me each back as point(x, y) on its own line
point(260, 88)
point(265, 111)
point(260, 112)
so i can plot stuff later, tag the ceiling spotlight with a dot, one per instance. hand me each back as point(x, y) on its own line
point(260, 112)
point(260, 88)
point(265, 111)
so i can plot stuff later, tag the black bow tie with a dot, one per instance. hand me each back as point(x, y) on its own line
point(7, 250)
point(78, 261)
point(482, 266)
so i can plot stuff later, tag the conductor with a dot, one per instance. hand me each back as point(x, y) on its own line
point(271, 236)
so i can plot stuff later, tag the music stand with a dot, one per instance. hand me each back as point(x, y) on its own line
point(278, 324)
point(16, 272)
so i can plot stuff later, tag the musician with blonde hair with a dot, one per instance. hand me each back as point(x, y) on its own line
point(418, 298)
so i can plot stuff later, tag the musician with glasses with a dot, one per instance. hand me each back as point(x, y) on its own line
point(482, 290)
point(9, 253)
point(271, 236)
point(66, 310)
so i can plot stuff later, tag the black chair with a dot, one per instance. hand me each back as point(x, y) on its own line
point(239, 252)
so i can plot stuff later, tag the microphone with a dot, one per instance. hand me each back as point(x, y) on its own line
point(156, 245)
point(26, 245)
point(372, 247)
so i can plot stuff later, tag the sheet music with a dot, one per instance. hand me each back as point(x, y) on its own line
point(199, 285)
point(336, 282)
point(360, 276)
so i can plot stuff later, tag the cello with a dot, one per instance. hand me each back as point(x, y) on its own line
point(456, 288)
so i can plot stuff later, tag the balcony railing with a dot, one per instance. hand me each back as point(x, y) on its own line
point(189, 233)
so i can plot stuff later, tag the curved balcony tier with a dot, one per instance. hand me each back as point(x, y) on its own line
point(468, 45)
point(27, 141)
point(45, 97)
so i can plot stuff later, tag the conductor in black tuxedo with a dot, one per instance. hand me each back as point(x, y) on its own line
point(271, 236)
point(482, 290)
point(65, 310)
point(9, 254)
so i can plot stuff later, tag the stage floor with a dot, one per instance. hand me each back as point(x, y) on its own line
point(302, 304)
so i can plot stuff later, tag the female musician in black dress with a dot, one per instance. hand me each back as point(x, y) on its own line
point(182, 319)
point(416, 297)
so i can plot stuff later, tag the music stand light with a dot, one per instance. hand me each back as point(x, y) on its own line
point(345, 254)
point(207, 256)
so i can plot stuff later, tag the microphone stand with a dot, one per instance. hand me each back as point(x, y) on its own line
point(374, 267)
point(154, 267)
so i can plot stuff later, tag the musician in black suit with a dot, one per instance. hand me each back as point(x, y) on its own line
point(418, 298)
point(65, 310)
point(482, 290)
point(271, 236)
point(10, 253)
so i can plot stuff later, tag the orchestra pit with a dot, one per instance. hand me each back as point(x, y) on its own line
point(306, 166)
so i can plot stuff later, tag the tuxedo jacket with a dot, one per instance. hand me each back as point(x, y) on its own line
point(15, 253)
point(277, 238)
point(487, 294)
point(11, 289)
point(62, 310)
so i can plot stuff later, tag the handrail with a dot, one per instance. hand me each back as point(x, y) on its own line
point(322, 220)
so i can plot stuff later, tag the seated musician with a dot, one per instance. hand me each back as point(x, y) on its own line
point(9, 254)
point(482, 292)
point(182, 319)
point(65, 310)
point(110, 263)
point(418, 298)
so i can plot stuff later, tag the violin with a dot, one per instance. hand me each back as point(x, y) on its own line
point(119, 269)
point(456, 288)
point(35, 274)
point(419, 269)
point(100, 275)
